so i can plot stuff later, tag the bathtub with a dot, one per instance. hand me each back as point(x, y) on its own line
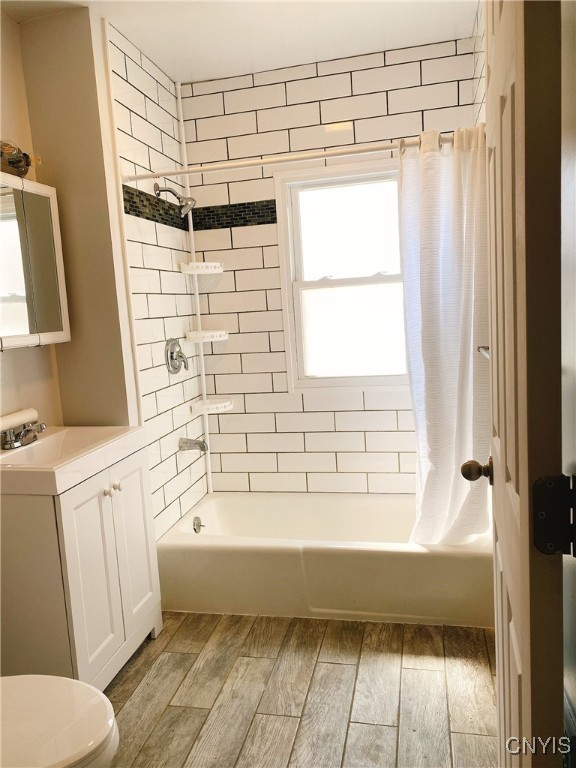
point(330, 555)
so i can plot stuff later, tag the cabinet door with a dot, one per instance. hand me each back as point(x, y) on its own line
point(135, 544)
point(91, 574)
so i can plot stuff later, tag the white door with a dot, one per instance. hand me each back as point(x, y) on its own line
point(91, 574)
point(135, 544)
point(523, 134)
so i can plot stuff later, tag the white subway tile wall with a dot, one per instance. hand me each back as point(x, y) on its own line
point(324, 440)
point(331, 440)
point(478, 46)
point(145, 109)
point(337, 440)
point(146, 114)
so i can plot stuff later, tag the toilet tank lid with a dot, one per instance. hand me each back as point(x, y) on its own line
point(51, 722)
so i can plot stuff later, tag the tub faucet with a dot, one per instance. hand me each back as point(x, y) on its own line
point(188, 444)
point(16, 438)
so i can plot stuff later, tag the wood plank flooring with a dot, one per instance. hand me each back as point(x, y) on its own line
point(265, 692)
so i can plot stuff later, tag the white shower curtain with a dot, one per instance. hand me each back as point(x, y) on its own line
point(444, 243)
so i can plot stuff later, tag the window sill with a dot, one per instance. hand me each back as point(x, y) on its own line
point(359, 382)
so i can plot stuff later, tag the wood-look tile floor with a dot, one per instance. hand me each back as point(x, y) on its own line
point(259, 692)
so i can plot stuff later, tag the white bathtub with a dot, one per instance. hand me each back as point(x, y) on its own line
point(341, 556)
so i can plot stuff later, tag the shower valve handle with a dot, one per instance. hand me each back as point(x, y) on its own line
point(174, 357)
point(473, 470)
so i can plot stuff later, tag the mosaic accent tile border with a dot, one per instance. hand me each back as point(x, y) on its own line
point(235, 215)
point(146, 206)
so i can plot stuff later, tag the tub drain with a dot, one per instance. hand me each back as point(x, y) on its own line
point(197, 524)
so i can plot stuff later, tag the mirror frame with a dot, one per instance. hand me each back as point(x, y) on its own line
point(52, 337)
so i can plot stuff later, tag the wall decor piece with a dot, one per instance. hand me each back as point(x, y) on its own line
point(15, 161)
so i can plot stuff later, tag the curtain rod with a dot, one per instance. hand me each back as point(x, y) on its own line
point(228, 165)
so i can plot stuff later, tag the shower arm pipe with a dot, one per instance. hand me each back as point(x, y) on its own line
point(202, 367)
point(230, 165)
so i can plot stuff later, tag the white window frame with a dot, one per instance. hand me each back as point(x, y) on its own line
point(287, 184)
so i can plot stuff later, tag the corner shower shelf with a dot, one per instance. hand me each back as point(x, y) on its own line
point(202, 267)
point(202, 336)
point(211, 405)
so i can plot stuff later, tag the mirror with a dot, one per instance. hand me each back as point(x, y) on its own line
point(33, 308)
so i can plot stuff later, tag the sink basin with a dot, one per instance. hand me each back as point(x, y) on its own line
point(58, 445)
point(65, 456)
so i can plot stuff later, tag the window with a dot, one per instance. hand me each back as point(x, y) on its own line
point(342, 276)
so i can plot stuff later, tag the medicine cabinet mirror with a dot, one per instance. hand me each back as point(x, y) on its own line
point(33, 306)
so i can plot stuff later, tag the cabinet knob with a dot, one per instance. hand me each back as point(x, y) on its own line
point(117, 486)
point(108, 491)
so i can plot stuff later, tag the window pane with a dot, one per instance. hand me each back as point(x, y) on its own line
point(349, 231)
point(353, 331)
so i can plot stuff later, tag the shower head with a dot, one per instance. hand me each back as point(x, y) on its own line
point(186, 203)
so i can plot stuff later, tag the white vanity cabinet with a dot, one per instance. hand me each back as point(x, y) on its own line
point(80, 587)
point(109, 559)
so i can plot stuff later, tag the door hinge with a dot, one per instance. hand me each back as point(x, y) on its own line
point(553, 515)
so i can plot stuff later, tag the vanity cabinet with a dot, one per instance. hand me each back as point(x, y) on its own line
point(109, 560)
point(80, 588)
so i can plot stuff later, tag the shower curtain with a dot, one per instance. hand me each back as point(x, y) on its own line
point(444, 243)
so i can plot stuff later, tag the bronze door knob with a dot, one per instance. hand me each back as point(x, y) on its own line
point(473, 470)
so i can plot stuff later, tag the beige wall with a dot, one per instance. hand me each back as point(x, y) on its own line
point(64, 68)
point(28, 377)
point(14, 115)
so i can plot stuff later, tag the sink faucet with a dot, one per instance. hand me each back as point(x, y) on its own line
point(16, 438)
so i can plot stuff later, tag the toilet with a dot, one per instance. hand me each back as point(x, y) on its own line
point(55, 722)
